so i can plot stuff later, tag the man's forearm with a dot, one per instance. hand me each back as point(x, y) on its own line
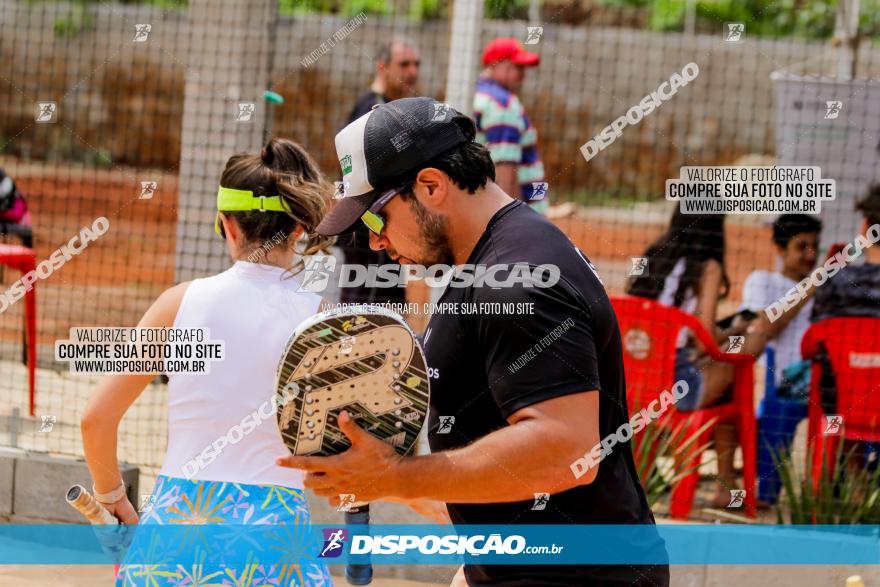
point(510, 464)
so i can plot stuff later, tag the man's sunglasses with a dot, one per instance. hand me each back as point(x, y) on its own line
point(375, 221)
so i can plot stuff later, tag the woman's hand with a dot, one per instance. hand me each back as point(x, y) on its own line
point(123, 510)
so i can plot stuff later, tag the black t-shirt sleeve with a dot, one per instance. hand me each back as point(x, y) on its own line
point(544, 350)
point(363, 105)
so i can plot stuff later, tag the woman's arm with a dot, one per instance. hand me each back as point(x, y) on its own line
point(108, 404)
point(709, 290)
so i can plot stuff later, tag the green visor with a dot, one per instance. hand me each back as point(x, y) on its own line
point(232, 200)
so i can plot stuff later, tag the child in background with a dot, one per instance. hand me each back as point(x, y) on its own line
point(796, 240)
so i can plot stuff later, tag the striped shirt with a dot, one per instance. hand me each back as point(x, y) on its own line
point(505, 129)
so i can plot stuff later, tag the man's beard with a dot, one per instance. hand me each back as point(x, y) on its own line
point(434, 233)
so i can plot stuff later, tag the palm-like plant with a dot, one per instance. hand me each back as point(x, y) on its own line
point(661, 456)
point(849, 495)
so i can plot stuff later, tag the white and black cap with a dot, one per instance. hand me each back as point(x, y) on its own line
point(382, 146)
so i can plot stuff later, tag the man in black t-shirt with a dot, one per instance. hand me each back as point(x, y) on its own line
point(526, 369)
point(397, 73)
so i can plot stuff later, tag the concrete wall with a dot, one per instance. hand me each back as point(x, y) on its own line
point(33, 486)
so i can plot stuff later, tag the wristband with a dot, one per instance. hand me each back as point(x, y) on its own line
point(110, 496)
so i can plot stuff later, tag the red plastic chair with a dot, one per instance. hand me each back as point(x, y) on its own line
point(649, 331)
point(853, 348)
point(24, 259)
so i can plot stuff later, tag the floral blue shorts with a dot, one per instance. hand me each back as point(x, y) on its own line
point(181, 501)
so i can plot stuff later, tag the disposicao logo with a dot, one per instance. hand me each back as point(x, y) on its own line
point(334, 542)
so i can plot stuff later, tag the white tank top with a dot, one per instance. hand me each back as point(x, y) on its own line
point(667, 297)
point(254, 311)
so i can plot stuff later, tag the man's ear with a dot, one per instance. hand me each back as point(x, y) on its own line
point(432, 188)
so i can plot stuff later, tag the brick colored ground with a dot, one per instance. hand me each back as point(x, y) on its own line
point(114, 280)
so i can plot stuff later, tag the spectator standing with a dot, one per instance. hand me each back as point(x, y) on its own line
point(397, 73)
point(503, 125)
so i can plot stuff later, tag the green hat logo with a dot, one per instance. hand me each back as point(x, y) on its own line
point(345, 162)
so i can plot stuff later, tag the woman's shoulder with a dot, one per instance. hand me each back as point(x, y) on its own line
point(712, 268)
point(173, 295)
point(164, 310)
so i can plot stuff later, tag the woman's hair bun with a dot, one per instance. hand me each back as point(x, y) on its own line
point(266, 154)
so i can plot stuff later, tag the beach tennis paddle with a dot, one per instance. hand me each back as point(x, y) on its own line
point(364, 360)
point(83, 501)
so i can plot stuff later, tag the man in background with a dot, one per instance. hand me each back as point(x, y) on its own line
point(397, 73)
point(855, 289)
point(503, 125)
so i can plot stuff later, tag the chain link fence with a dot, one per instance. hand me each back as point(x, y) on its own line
point(128, 111)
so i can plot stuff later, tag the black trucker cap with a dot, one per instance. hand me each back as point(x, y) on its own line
point(383, 145)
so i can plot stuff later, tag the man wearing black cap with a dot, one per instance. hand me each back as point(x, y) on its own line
point(522, 396)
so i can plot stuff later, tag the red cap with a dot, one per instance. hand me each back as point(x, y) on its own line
point(510, 49)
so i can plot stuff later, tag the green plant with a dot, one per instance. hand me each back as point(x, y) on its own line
point(78, 18)
point(74, 22)
point(346, 8)
point(506, 9)
point(672, 446)
point(420, 10)
point(812, 19)
point(355, 7)
point(849, 495)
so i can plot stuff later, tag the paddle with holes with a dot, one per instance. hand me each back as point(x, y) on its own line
point(364, 361)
